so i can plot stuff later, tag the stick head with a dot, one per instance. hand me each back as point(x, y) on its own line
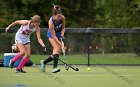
point(67, 68)
point(76, 69)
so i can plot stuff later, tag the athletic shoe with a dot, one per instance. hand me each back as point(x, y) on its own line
point(55, 70)
point(20, 71)
point(42, 66)
point(11, 63)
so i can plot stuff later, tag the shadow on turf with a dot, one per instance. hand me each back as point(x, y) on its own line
point(51, 76)
point(118, 75)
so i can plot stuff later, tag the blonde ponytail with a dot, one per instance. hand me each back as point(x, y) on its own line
point(35, 18)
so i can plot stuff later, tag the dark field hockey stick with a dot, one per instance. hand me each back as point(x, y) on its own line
point(76, 69)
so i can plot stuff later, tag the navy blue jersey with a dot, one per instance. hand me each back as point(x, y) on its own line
point(57, 25)
point(57, 28)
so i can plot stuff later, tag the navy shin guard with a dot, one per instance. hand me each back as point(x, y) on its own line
point(55, 57)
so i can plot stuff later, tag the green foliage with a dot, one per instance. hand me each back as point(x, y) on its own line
point(136, 43)
point(79, 13)
point(6, 41)
point(117, 13)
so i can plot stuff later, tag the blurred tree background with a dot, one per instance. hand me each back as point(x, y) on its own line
point(79, 13)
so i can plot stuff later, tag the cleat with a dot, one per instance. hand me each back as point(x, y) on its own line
point(55, 70)
point(20, 71)
point(42, 66)
point(11, 64)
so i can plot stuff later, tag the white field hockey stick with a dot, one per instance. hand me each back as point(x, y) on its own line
point(64, 56)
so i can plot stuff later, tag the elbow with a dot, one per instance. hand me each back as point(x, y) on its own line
point(16, 22)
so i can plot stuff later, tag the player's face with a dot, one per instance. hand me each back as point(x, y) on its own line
point(58, 16)
point(34, 24)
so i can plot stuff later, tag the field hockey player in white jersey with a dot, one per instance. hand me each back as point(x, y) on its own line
point(22, 40)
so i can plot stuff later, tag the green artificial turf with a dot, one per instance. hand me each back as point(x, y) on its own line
point(98, 76)
point(122, 58)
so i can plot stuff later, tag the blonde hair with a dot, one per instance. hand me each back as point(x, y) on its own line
point(35, 18)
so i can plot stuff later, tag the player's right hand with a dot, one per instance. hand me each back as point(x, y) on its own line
point(45, 49)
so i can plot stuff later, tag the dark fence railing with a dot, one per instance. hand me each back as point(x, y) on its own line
point(87, 30)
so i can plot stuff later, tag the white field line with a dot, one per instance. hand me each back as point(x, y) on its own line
point(38, 75)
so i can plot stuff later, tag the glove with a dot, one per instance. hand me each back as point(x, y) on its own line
point(45, 49)
point(62, 38)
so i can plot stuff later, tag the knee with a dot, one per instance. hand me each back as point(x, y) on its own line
point(27, 55)
point(55, 56)
point(57, 48)
point(22, 52)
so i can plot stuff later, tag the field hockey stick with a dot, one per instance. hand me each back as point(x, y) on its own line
point(64, 55)
point(76, 69)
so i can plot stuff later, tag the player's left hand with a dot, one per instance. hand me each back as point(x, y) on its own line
point(63, 48)
point(45, 49)
point(62, 38)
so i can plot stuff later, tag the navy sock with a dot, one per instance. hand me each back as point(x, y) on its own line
point(56, 56)
point(48, 60)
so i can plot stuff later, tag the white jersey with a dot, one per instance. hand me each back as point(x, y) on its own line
point(23, 34)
